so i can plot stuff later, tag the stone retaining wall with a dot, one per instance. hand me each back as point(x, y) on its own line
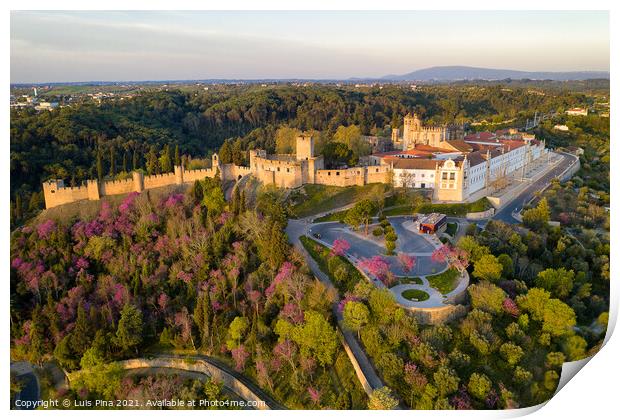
point(481, 214)
point(200, 366)
point(440, 315)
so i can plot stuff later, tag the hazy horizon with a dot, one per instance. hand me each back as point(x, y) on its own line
point(65, 47)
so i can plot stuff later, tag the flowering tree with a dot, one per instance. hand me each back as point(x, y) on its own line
point(314, 394)
point(240, 356)
point(510, 307)
point(453, 256)
point(378, 267)
point(340, 247)
point(407, 262)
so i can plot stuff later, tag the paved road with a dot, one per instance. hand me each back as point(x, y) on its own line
point(294, 230)
point(361, 248)
point(30, 391)
point(516, 205)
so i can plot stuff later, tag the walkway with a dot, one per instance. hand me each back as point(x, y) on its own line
point(365, 371)
point(516, 204)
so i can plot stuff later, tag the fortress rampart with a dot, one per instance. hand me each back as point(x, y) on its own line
point(284, 171)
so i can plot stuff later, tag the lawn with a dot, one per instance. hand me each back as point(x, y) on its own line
point(408, 280)
point(415, 295)
point(451, 229)
point(320, 253)
point(455, 209)
point(332, 217)
point(313, 199)
point(444, 282)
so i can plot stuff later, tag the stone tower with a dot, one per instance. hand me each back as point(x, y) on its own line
point(304, 147)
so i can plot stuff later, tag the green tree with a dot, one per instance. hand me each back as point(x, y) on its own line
point(37, 347)
point(112, 161)
point(575, 347)
point(360, 213)
point(125, 169)
point(225, 153)
point(382, 399)
point(99, 165)
point(534, 302)
point(511, 353)
point(336, 154)
point(538, 216)
point(286, 138)
point(479, 385)
point(473, 248)
point(236, 331)
point(135, 162)
point(129, 330)
point(507, 265)
point(352, 137)
point(558, 318)
point(165, 160)
point(356, 315)
point(202, 317)
point(316, 337)
point(488, 268)
point(487, 297)
point(557, 281)
point(152, 163)
point(446, 380)
point(82, 334)
point(177, 157)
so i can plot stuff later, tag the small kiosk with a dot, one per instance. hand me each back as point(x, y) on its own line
point(433, 223)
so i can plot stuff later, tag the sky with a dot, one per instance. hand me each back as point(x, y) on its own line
point(62, 46)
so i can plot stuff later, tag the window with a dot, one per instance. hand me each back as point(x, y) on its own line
point(452, 176)
point(288, 169)
point(444, 176)
point(337, 173)
point(422, 175)
point(278, 169)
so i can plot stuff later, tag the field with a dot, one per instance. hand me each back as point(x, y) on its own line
point(457, 209)
point(444, 282)
point(314, 199)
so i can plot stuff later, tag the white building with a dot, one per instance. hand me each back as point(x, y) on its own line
point(577, 111)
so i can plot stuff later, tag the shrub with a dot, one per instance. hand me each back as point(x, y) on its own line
point(377, 231)
point(391, 236)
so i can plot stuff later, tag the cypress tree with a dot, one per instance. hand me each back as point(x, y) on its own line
point(112, 161)
point(242, 203)
point(99, 165)
point(202, 317)
point(125, 161)
point(134, 160)
point(177, 158)
point(18, 206)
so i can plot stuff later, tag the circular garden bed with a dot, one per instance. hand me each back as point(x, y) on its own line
point(415, 295)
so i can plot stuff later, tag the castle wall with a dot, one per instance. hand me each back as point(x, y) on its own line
point(57, 195)
point(160, 180)
point(198, 174)
point(124, 186)
point(360, 175)
point(341, 177)
point(378, 173)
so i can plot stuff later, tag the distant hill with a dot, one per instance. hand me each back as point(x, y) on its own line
point(449, 73)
